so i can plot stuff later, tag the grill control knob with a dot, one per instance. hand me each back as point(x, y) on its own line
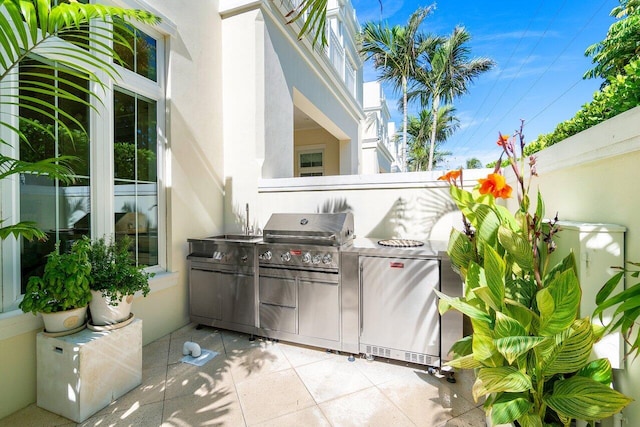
point(306, 258)
point(286, 257)
point(327, 258)
point(317, 259)
point(266, 256)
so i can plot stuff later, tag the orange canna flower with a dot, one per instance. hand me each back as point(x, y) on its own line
point(502, 139)
point(496, 185)
point(451, 176)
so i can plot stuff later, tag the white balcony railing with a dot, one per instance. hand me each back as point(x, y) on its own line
point(334, 50)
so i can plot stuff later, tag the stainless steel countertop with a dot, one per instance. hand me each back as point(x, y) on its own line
point(370, 246)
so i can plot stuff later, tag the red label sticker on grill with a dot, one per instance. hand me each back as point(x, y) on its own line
point(297, 252)
point(396, 264)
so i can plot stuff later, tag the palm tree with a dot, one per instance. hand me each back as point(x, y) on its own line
point(474, 163)
point(447, 75)
point(28, 29)
point(419, 130)
point(395, 52)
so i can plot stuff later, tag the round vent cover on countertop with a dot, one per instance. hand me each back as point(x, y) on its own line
point(401, 243)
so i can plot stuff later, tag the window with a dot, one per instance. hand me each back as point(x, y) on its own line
point(311, 162)
point(117, 189)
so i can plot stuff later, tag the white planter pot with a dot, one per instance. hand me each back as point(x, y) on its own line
point(104, 314)
point(62, 321)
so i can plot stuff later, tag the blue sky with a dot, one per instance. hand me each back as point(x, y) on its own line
point(538, 47)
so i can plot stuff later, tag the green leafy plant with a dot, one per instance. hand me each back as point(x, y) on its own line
point(529, 347)
point(113, 272)
point(64, 284)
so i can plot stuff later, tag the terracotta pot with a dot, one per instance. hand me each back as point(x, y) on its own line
point(104, 314)
point(67, 320)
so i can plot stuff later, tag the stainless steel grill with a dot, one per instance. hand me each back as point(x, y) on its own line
point(305, 241)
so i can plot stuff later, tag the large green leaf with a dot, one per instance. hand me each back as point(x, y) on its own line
point(487, 224)
point(520, 289)
point(509, 407)
point(485, 351)
point(567, 263)
point(558, 303)
point(514, 347)
point(598, 370)
point(447, 302)
point(462, 347)
point(460, 251)
point(530, 420)
point(506, 326)
point(500, 379)
point(517, 246)
point(465, 362)
point(585, 399)
point(494, 268)
point(567, 353)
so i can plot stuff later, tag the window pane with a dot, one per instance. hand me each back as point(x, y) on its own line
point(137, 50)
point(62, 212)
point(136, 191)
point(310, 160)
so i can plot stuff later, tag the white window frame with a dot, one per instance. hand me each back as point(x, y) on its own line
point(310, 149)
point(101, 160)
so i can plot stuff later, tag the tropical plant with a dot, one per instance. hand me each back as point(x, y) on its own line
point(529, 347)
point(64, 284)
point(419, 129)
point(29, 29)
point(474, 163)
point(395, 52)
point(446, 75)
point(114, 274)
point(620, 46)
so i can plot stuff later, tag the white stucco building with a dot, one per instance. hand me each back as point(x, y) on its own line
point(379, 143)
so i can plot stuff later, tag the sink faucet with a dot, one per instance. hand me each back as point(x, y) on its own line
point(246, 229)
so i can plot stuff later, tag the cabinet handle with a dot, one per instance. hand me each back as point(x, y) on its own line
point(360, 308)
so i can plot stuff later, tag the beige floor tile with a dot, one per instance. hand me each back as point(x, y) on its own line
point(308, 417)
point(473, 418)
point(32, 416)
point(234, 341)
point(299, 355)
point(380, 371)
point(332, 378)
point(255, 361)
point(367, 407)
point(219, 408)
point(184, 379)
point(272, 395)
point(425, 399)
point(156, 353)
point(138, 416)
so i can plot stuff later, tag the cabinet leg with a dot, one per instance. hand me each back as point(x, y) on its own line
point(200, 326)
point(252, 337)
point(351, 358)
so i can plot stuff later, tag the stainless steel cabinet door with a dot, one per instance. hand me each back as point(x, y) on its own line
point(204, 294)
point(238, 299)
point(399, 307)
point(319, 310)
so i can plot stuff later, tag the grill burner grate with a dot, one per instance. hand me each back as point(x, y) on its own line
point(401, 243)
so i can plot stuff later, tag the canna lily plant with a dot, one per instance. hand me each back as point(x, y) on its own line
point(529, 347)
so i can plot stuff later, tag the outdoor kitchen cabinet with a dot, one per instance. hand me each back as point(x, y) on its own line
point(221, 298)
point(300, 306)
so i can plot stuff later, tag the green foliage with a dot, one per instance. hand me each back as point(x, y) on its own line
point(114, 273)
point(64, 284)
point(529, 348)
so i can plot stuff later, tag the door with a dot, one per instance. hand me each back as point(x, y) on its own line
point(399, 308)
point(204, 293)
point(319, 308)
point(238, 299)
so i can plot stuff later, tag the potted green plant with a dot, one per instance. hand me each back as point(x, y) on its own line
point(114, 280)
point(62, 294)
point(530, 349)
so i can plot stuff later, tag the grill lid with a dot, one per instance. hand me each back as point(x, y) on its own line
point(329, 229)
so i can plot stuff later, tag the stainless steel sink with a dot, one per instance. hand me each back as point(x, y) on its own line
point(237, 237)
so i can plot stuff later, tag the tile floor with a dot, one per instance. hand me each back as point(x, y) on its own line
point(264, 383)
